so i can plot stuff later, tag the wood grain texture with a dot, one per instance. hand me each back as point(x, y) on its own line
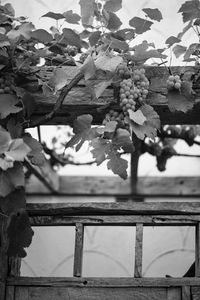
point(22, 293)
point(41, 293)
point(114, 186)
point(80, 97)
point(197, 250)
point(173, 293)
point(138, 250)
point(185, 293)
point(102, 282)
point(10, 293)
point(112, 208)
point(78, 253)
point(3, 257)
point(156, 220)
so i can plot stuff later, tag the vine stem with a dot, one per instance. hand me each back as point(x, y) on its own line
point(64, 92)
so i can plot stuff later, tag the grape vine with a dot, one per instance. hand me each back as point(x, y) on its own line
point(108, 58)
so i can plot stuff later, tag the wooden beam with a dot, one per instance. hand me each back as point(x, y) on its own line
point(3, 256)
point(138, 250)
point(104, 282)
point(114, 186)
point(79, 100)
point(112, 208)
point(197, 250)
point(78, 253)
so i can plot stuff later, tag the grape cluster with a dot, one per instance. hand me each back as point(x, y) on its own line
point(174, 82)
point(127, 95)
point(141, 84)
point(115, 116)
point(123, 71)
point(7, 85)
point(71, 50)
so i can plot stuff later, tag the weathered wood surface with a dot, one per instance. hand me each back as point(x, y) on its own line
point(138, 250)
point(197, 250)
point(119, 220)
point(75, 209)
point(114, 186)
point(78, 253)
point(173, 293)
point(10, 293)
point(79, 100)
point(34, 293)
point(103, 282)
point(3, 256)
point(186, 293)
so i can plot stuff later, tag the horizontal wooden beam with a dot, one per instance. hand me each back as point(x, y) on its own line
point(112, 208)
point(102, 282)
point(114, 186)
point(79, 100)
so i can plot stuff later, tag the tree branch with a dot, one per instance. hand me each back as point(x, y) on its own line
point(64, 92)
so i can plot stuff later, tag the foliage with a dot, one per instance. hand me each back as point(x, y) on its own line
point(110, 56)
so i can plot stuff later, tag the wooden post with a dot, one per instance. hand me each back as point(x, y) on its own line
point(134, 168)
point(3, 257)
point(185, 293)
point(197, 251)
point(138, 250)
point(78, 253)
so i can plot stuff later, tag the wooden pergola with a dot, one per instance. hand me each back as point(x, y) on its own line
point(134, 212)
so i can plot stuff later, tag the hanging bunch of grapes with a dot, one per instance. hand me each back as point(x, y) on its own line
point(6, 84)
point(174, 82)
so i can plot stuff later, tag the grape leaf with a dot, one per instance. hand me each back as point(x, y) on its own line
point(8, 106)
point(83, 131)
point(55, 16)
point(107, 62)
point(150, 126)
point(117, 44)
point(100, 87)
point(190, 51)
point(140, 25)
point(71, 17)
point(58, 80)
point(28, 101)
point(117, 164)
point(172, 40)
point(94, 37)
point(179, 50)
point(19, 233)
point(113, 5)
point(23, 30)
point(137, 116)
point(15, 129)
point(71, 37)
point(123, 140)
point(185, 29)
point(5, 140)
point(17, 150)
point(13, 201)
point(42, 36)
point(153, 13)
point(126, 33)
point(114, 22)
point(87, 12)
point(36, 155)
point(88, 67)
point(109, 127)
point(190, 10)
point(141, 53)
point(183, 101)
point(11, 179)
point(100, 147)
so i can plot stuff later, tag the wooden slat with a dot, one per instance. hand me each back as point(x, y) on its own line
point(134, 168)
point(80, 97)
point(10, 293)
point(3, 257)
point(22, 293)
point(185, 293)
point(78, 253)
point(35, 293)
point(130, 208)
point(157, 220)
point(138, 250)
point(103, 282)
point(114, 186)
point(14, 264)
point(197, 251)
point(173, 293)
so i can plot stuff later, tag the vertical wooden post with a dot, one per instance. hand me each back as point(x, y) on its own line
point(3, 257)
point(78, 253)
point(138, 250)
point(134, 167)
point(185, 293)
point(197, 250)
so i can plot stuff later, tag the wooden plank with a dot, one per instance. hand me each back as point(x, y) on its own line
point(14, 265)
point(127, 220)
point(21, 293)
point(81, 97)
point(173, 293)
point(130, 208)
point(138, 250)
point(114, 186)
point(197, 250)
point(102, 282)
point(134, 168)
point(36, 293)
point(78, 253)
point(3, 257)
point(10, 293)
point(185, 293)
